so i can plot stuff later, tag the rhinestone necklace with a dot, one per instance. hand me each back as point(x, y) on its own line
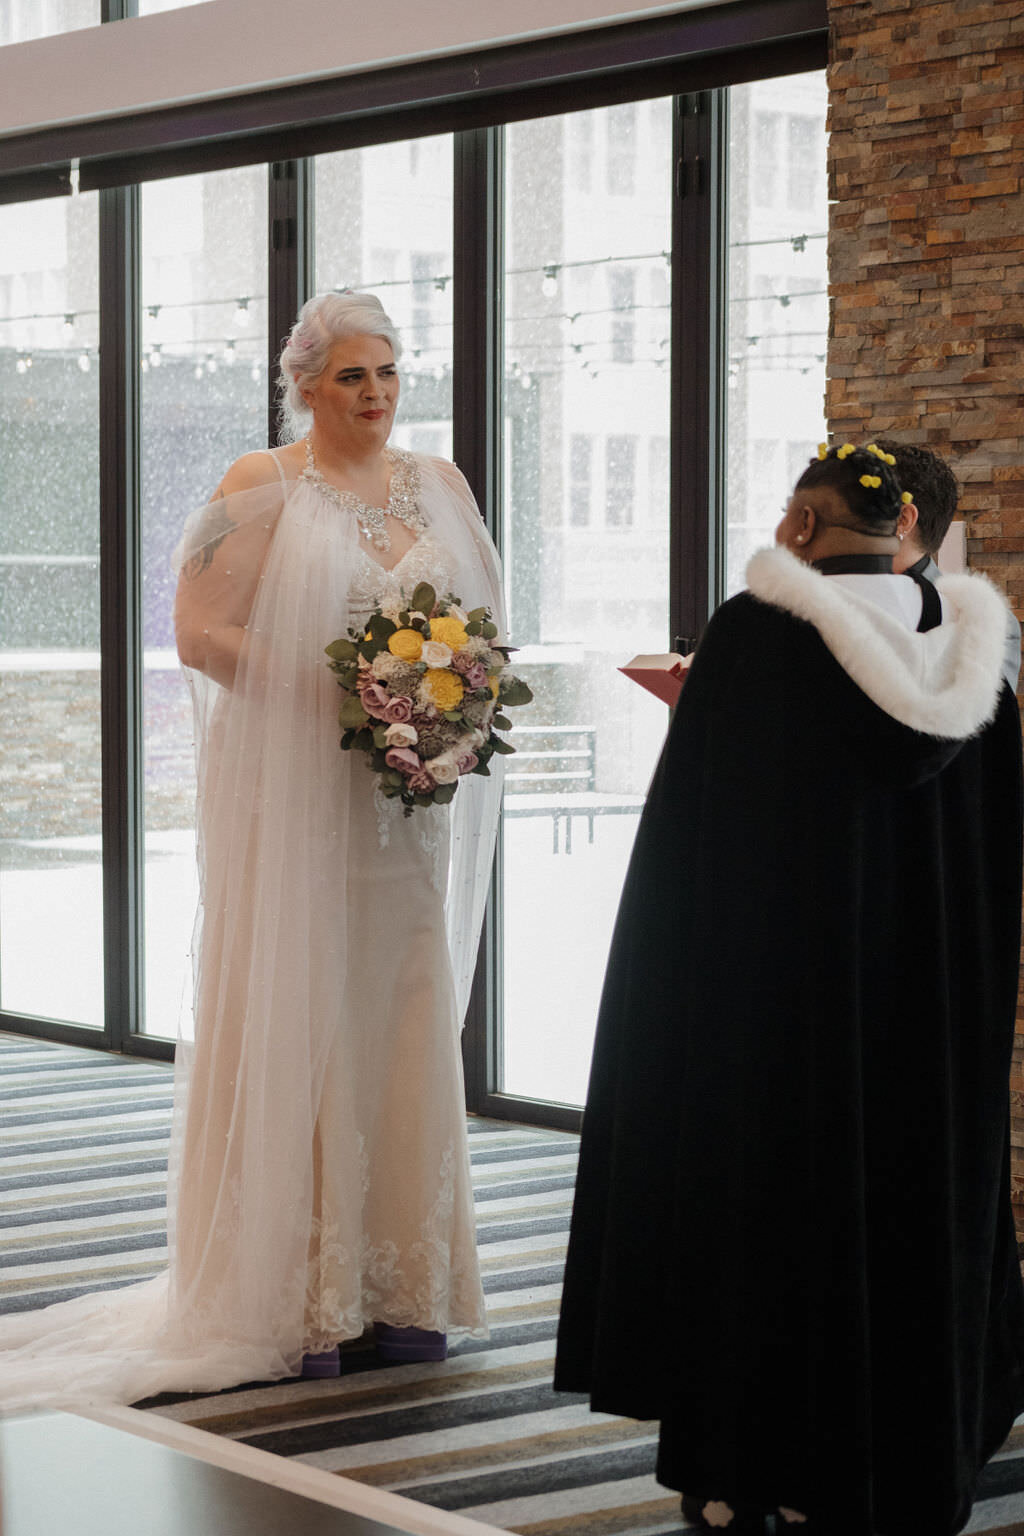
point(402, 497)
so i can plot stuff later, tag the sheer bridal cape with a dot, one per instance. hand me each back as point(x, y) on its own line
point(290, 832)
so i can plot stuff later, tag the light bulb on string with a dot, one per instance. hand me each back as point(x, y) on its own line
point(68, 327)
point(254, 373)
point(229, 352)
point(242, 315)
point(22, 365)
point(549, 282)
point(155, 355)
point(211, 363)
point(84, 362)
point(198, 371)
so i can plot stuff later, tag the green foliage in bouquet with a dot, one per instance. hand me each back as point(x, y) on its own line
point(426, 685)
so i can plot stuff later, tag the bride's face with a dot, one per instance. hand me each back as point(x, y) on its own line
point(354, 399)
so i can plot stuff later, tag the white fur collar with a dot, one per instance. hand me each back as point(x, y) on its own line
point(944, 682)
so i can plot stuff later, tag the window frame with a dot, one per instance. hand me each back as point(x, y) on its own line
point(692, 58)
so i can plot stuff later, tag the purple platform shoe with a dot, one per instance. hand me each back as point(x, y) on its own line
point(402, 1346)
point(319, 1367)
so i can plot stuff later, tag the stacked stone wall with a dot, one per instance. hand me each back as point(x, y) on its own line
point(927, 267)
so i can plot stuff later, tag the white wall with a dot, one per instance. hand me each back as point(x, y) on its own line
point(225, 46)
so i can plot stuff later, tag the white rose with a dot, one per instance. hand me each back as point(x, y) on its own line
point(436, 654)
point(401, 736)
point(444, 768)
point(391, 609)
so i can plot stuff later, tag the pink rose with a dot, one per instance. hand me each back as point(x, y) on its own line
point(374, 699)
point(467, 762)
point(403, 759)
point(476, 677)
point(397, 711)
point(463, 662)
point(421, 782)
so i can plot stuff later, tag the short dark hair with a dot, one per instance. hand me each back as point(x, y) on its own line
point(933, 486)
point(873, 508)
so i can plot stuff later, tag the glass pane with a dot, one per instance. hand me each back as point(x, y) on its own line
point(51, 914)
point(384, 224)
point(150, 7)
point(778, 301)
point(204, 402)
point(22, 20)
point(586, 553)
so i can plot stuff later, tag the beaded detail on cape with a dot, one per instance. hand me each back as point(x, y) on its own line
point(403, 497)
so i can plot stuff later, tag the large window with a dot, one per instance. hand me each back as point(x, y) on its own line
point(778, 302)
point(552, 279)
point(586, 558)
point(51, 869)
point(204, 349)
point(384, 223)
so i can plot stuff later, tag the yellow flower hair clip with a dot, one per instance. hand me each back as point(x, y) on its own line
point(845, 451)
point(906, 497)
point(823, 450)
point(872, 482)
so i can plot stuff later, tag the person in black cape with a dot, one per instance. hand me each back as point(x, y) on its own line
point(792, 1240)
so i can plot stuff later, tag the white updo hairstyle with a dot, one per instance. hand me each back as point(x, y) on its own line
point(324, 320)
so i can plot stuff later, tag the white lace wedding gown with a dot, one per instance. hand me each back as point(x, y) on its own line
point(319, 1175)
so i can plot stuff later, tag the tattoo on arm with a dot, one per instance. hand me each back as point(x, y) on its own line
point(217, 525)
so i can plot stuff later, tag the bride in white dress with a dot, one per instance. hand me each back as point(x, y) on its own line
point(319, 1178)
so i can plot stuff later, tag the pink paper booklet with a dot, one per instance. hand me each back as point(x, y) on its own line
point(661, 675)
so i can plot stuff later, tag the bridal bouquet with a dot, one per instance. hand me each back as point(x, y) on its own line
point(425, 686)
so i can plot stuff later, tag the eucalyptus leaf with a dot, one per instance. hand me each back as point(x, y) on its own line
point(514, 691)
point(477, 615)
point(482, 769)
point(341, 650)
point(380, 735)
point(474, 627)
point(489, 630)
point(502, 723)
point(454, 715)
point(505, 748)
point(424, 598)
point(381, 628)
point(444, 793)
point(352, 712)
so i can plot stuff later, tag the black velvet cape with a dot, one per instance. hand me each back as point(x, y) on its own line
point(792, 1240)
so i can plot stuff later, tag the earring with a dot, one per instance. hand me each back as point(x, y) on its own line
point(800, 537)
point(900, 537)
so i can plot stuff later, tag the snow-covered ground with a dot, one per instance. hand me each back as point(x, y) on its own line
point(559, 912)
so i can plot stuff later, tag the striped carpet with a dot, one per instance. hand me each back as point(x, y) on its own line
point(82, 1167)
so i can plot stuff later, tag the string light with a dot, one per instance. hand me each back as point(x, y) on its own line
point(242, 314)
point(84, 362)
point(68, 327)
point(549, 283)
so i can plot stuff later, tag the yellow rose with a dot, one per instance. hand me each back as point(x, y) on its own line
point(494, 683)
point(406, 644)
point(443, 688)
point(450, 632)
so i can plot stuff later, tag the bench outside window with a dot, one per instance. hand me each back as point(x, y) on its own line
point(554, 773)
